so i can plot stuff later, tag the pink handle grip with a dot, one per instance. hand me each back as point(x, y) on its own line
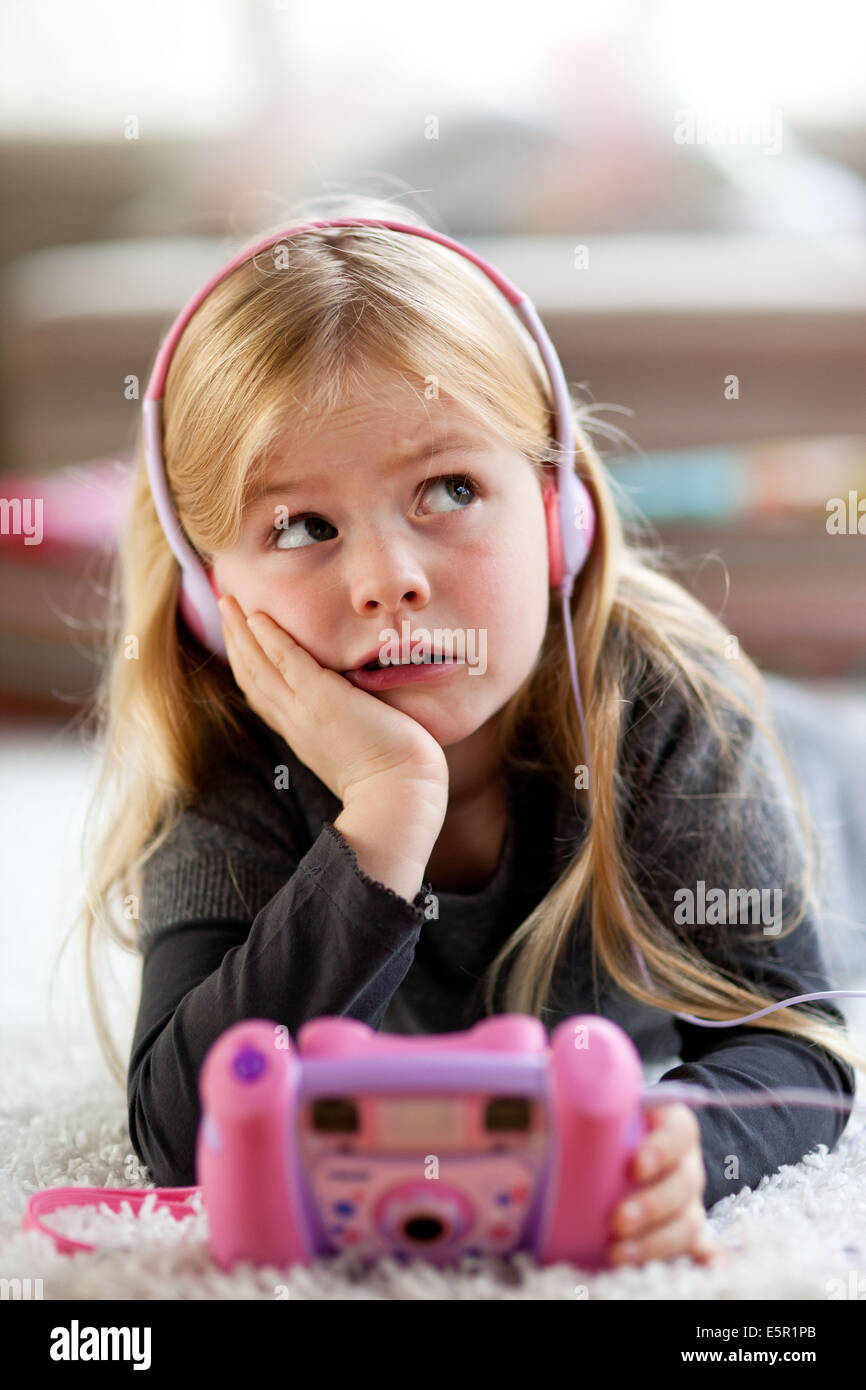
point(53, 1198)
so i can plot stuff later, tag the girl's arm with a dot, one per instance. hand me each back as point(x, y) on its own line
point(741, 1146)
point(254, 907)
point(692, 820)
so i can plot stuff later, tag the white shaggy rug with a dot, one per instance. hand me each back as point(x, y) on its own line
point(800, 1235)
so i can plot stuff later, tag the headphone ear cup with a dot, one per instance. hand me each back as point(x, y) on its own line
point(550, 497)
point(217, 593)
point(192, 616)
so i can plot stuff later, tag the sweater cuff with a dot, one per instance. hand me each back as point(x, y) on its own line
point(416, 906)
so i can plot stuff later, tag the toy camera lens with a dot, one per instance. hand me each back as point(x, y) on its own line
point(423, 1228)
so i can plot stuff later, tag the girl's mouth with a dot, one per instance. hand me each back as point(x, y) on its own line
point(408, 673)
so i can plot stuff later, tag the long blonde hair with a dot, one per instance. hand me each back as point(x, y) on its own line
point(270, 343)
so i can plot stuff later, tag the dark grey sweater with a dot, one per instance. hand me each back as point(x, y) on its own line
point(256, 907)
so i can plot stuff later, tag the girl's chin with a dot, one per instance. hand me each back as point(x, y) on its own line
point(446, 726)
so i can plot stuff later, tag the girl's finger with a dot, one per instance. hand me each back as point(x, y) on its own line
point(680, 1236)
point(642, 1212)
point(247, 645)
point(673, 1130)
point(292, 662)
point(256, 675)
point(233, 639)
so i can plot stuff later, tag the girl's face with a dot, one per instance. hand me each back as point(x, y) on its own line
point(355, 535)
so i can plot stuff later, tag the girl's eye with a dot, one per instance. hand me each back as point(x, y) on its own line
point(295, 538)
point(467, 486)
point(309, 526)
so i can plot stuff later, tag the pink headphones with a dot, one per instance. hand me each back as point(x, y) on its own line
point(568, 507)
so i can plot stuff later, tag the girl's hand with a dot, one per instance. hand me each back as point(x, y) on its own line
point(671, 1219)
point(345, 735)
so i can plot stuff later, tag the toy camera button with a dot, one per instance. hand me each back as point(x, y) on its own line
point(249, 1064)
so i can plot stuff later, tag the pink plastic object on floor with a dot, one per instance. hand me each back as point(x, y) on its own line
point(475, 1143)
point(479, 1143)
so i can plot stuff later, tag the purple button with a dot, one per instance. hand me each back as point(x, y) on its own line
point(249, 1064)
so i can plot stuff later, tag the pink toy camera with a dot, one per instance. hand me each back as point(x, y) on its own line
point(483, 1142)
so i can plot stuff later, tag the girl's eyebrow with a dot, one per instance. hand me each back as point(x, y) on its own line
point(428, 451)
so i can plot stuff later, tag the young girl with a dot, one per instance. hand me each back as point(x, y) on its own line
point(357, 444)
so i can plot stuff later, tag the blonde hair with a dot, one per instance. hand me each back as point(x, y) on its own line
point(270, 344)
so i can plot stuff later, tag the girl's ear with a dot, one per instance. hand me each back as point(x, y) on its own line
point(212, 581)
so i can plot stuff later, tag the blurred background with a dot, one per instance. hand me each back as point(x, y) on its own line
point(680, 189)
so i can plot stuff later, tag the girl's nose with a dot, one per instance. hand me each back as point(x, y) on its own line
point(385, 574)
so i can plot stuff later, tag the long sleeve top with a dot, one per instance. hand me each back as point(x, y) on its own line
point(256, 906)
